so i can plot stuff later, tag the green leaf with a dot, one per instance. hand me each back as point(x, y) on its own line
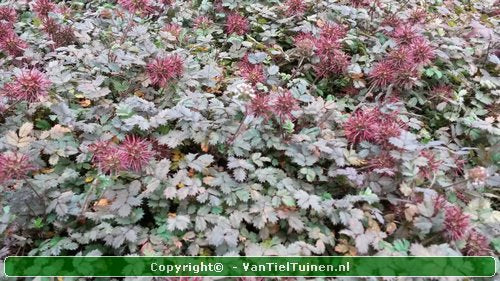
point(38, 223)
point(289, 126)
point(120, 86)
point(288, 201)
point(42, 124)
point(401, 245)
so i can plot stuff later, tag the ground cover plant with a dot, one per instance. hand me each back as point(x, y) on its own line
point(297, 127)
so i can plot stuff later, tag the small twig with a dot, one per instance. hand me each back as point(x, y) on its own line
point(10, 107)
point(455, 183)
point(37, 194)
point(238, 131)
point(362, 101)
point(487, 50)
point(395, 199)
point(430, 238)
point(29, 207)
point(87, 198)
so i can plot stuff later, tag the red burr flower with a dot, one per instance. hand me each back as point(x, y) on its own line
point(135, 153)
point(362, 126)
point(30, 85)
point(8, 15)
point(42, 8)
point(388, 128)
point(383, 163)
point(456, 223)
point(236, 23)
point(304, 42)
point(404, 33)
point(12, 44)
point(106, 156)
point(336, 62)
point(477, 244)
point(383, 74)
point(253, 73)
point(400, 57)
point(260, 106)
point(329, 39)
point(173, 29)
point(202, 22)
point(141, 6)
point(421, 51)
point(432, 165)
point(14, 166)
point(360, 3)
point(284, 104)
point(332, 59)
point(392, 21)
point(407, 76)
point(295, 8)
point(163, 70)
point(418, 16)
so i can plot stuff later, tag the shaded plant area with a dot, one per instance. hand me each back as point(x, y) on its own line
point(227, 127)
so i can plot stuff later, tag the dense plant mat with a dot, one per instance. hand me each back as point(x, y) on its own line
point(249, 128)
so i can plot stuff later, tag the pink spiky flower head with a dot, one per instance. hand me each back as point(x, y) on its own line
point(389, 128)
point(253, 73)
point(392, 20)
point(50, 25)
point(456, 223)
point(42, 8)
point(14, 166)
point(418, 16)
point(141, 6)
point(304, 42)
point(295, 8)
point(400, 57)
point(360, 3)
point(135, 153)
point(333, 32)
point(5, 30)
point(237, 24)
point(260, 106)
point(8, 14)
point(30, 85)
point(443, 92)
point(440, 202)
point(335, 62)
point(202, 22)
point(284, 104)
point(106, 156)
point(12, 44)
point(407, 76)
point(404, 33)
point(163, 70)
point(329, 39)
point(173, 29)
point(421, 51)
point(362, 125)
point(383, 74)
point(383, 164)
point(477, 244)
point(432, 165)
point(64, 36)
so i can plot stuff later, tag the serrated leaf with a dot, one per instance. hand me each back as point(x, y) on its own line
point(201, 162)
point(25, 129)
